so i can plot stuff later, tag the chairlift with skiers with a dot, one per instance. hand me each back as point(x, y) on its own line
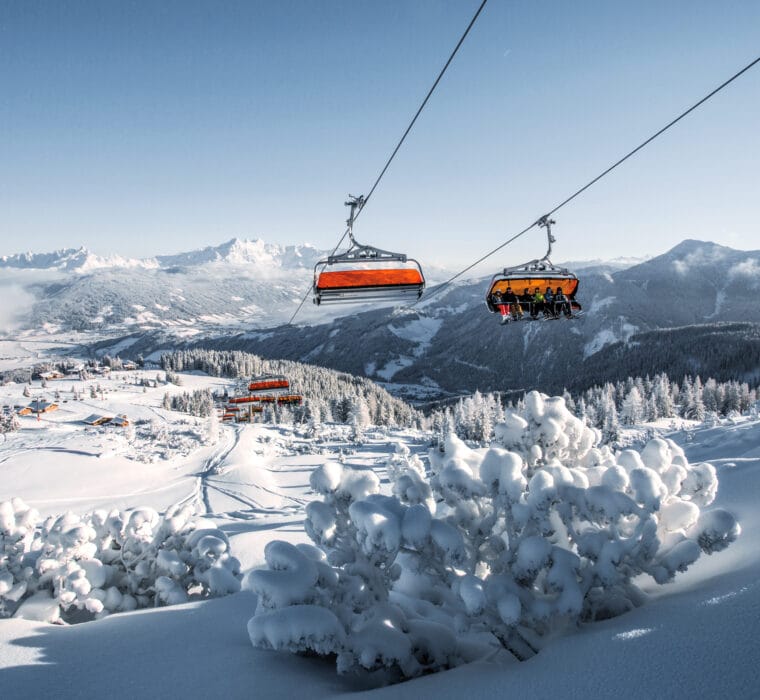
point(511, 291)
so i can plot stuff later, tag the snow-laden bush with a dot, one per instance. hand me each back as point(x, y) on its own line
point(9, 423)
point(494, 548)
point(76, 568)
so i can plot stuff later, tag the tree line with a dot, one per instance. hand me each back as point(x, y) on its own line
point(610, 406)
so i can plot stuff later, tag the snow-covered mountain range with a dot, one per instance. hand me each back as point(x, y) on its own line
point(266, 256)
point(692, 310)
point(238, 284)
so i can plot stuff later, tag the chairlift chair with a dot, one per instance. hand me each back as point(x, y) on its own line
point(269, 382)
point(365, 273)
point(541, 273)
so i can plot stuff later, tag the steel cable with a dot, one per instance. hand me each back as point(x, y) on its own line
point(401, 141)
point(440, 287)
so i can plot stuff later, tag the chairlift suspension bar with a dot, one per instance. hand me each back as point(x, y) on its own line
point(354, 203)
point(546, 222)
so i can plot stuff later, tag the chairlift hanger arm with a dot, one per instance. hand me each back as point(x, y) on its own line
point(354, 203)
point(358, 252)
point(546, 222)
point(543, 264)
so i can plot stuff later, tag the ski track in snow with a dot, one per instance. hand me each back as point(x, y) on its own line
point(214, 463)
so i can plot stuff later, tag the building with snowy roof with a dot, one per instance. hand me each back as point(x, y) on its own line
point(38, 406)
point(96, 419)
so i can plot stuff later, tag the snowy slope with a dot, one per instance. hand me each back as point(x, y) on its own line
point(694, 638)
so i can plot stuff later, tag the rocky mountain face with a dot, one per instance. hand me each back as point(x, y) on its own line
point(694, 309)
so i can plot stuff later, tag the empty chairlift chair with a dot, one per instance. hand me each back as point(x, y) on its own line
point(269, 382)
point(364, 273)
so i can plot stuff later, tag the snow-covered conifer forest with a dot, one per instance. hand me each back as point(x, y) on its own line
point(633, 402)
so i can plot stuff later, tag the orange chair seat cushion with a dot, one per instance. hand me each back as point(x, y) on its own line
point(368, 278)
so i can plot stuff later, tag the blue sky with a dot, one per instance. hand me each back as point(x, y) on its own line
point(152, 127)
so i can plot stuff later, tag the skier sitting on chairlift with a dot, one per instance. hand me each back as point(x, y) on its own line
point(526, 301)
point(538, 303)
point(512, 303)
point(548, 303)
point(498, 300)
point(561, 304)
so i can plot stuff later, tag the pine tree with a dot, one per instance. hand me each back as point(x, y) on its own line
point(611, 424)
point(663, 396)
point(710, 396)
point(633, 407)
point(651, 412)
point(695, 407)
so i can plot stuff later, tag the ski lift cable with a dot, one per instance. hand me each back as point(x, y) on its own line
point(400, 143)
point(440, 287)
point(422, 106)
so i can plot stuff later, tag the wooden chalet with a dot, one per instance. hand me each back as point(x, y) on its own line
point(37, 407)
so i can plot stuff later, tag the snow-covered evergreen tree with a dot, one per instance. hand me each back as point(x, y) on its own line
point(495, 548)
point(609, 416)
point(9, 423)
point(694, 407)
point(633, 407)
point(213, 426)
point(359, 418)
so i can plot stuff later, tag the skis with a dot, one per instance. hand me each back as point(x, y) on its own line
point(542, 318)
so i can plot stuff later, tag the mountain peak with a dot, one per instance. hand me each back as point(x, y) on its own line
point(691, 245)
point(243, 251)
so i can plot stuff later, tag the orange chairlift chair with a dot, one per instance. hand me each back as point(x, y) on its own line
point(364, 273)
point(541, 273)
point(269, 382)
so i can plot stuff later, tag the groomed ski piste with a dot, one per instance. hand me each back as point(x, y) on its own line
point(695, 637)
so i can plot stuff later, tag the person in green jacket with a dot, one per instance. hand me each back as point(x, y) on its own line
point(538, 303)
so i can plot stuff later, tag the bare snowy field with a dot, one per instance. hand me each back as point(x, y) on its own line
point(694, 638)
